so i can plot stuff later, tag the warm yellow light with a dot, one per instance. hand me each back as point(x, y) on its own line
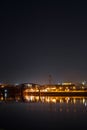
point(60, 88)
point(1, 98)
point(66, 83)
point(83, 100)
point(74, 100)
point(54, 100)
point(29, 85)
point(61, 100)
point(2, 86)
point(74, 87)
point(48, 100)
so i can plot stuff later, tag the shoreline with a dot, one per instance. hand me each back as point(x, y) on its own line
point(56, 93)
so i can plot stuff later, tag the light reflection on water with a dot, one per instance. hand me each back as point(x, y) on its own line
point(59, 104)
point(64, 103)
point(43, 112)
point(55, 99)
point(47, 99)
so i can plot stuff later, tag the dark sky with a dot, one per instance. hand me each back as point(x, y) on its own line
point(43, 38)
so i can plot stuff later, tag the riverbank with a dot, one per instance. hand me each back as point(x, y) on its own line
point(57, 93)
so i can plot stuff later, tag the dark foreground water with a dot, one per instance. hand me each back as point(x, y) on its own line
point(45, 113)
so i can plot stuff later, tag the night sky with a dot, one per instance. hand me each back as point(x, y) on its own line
point(43, 38)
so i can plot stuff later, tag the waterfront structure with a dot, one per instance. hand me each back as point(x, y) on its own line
point(63, 89)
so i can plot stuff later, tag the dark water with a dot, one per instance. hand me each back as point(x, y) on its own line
point(44, 113)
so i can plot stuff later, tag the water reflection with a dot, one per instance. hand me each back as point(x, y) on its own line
point(53, 111)
point(56, 99)
point(59, 104)
point(46, 99)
